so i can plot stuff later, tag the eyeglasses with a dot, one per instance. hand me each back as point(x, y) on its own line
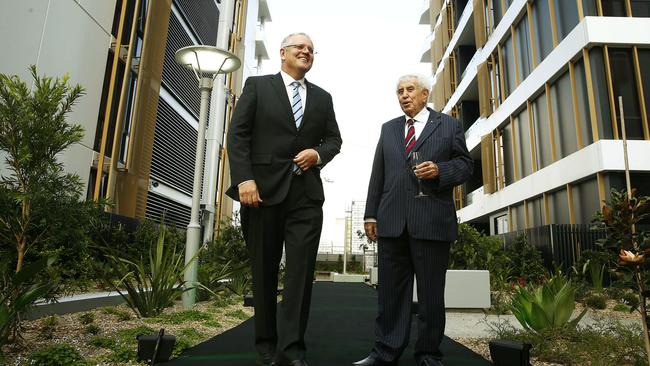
point(302, 47)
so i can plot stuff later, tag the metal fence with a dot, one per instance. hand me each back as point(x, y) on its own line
point(561, 245)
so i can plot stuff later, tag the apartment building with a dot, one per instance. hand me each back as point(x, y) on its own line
point(536, 86)
point(140, 111)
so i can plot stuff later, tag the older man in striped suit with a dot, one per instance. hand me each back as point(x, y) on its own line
point(414, 230)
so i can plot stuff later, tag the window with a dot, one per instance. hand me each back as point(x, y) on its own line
point(589, 7)
point(640, 8)
point(523, 49)
point(624, 84)
point(508, 158)
point(497, 11)
point(586, 201)
point(535, 212)
point(644, 59)
point(563, 117)
point(523, 143)
point(541, 26)
point(601, 97)
point(559, 207)
point(614, 8)
point(542, 131)
point(518, 216)
point(508, 59)
point(583, 103)
point(566, 17)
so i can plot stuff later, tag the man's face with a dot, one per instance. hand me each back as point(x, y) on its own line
point(298, 56)
point(412, 98)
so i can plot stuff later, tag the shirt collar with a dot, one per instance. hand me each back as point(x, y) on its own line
point(287, 79)
point(422, 116)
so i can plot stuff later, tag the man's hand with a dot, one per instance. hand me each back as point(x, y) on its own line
point(426, 170)
point(306, 159)
point(371, 230)
point(249, 195)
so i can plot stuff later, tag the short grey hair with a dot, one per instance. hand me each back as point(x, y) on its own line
point(422, 81)
point(285, 41)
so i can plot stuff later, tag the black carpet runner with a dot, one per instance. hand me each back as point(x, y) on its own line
point(340, 331)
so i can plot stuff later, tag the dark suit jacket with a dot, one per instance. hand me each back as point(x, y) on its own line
point(393, 185)
point(263, 139)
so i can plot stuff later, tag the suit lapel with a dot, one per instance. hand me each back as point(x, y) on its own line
point(398, 135)
point(281, 90)
point(432, 124)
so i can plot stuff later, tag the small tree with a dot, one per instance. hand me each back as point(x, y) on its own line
point(620, 217)
point(33, 131)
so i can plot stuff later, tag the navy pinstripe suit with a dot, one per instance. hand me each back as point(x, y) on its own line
point(414, 234)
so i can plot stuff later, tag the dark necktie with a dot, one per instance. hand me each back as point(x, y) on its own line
point(409, 140)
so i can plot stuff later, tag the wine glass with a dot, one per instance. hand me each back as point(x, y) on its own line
point(416, 159)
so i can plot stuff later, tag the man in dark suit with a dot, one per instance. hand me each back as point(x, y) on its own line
point(282, 133)
point(414, 233)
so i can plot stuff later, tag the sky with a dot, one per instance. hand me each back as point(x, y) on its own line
point(363, 47)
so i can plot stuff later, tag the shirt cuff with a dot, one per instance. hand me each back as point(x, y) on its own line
point(246, 181)
point(370, 219)
point(319, 162)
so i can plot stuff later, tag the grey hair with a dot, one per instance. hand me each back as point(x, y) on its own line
point(422, 81)
point(285, 41)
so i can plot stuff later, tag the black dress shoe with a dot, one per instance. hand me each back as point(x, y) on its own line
point(429, 361)
point(265, 360)
point(371, 360)
point(292, 363)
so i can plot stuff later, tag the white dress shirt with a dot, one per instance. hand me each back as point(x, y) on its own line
point(420, 120)
point(302, 89)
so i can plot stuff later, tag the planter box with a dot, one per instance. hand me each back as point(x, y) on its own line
point(465, 289)
point(338, 277)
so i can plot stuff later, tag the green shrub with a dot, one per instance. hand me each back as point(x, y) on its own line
point(102, 342)
point(238, 314)
point(474, 250)
point(48, 326)
point(58, 355)
point(87, 318)
point(631, 299)
point(548, 306)
point(151, 285)
point(119, 314)
point(224, 264)
point(181, 317)
point(615, 292)
point(92, 329)
point(596, 301)
point(622, 308)
point(605, 342)
point(525, 261)
point(18, 294)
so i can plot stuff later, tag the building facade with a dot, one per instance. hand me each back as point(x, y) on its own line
point(140, 111)
point(536, 86)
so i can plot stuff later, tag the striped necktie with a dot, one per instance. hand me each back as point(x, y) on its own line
point(409, 140)
point(296, 104)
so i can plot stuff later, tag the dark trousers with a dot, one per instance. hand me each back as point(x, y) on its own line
point(296, 223)
point(399, 259)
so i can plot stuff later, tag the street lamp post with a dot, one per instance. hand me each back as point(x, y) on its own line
point(206, 62)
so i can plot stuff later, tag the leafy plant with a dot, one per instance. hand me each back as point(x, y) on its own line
point(92, 329)
point(119, 314)
point(620, 217)
point(525, 261)
point(604, 342)
point(33, 131)
point(86, 318)
point(596, 301)
point(18, 295)
point(224, 263)
point(48, 326)
point(474, 250)
point(151, 285)
point(548, 306)
point(57, 355)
